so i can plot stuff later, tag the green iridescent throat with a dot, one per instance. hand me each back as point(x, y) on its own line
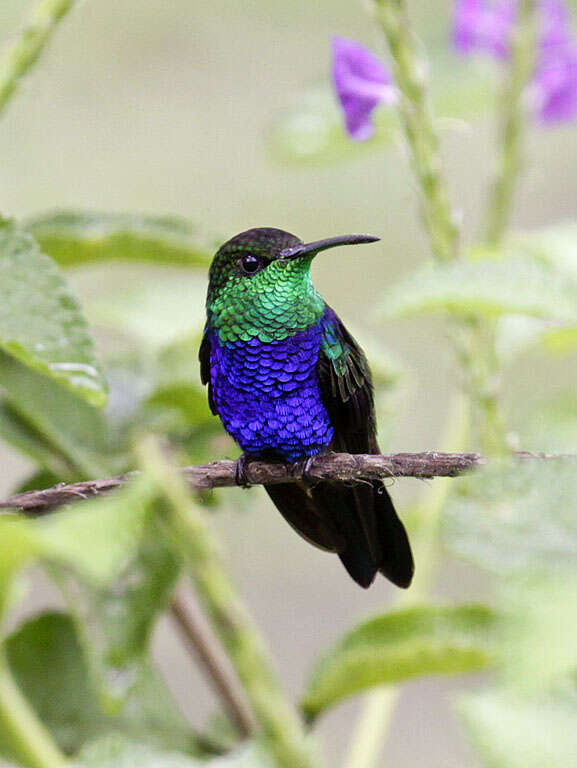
point(272, 305)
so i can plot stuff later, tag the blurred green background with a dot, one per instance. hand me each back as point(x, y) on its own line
point(166, 107)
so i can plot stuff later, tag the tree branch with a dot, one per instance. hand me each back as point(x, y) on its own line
point(336, 467)
point(199, 637)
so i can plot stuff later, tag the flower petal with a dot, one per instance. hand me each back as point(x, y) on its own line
point(361, 82)
point(486, 25)
point(555, 85)
point(479, 25)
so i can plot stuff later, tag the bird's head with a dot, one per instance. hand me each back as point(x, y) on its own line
point(260, 285)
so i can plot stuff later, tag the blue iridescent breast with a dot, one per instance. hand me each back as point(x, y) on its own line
point(268, 395)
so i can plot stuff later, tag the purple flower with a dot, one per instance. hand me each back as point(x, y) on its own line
point(554, 87)
point(485, 26)
point(555, 24)
point(361, 82)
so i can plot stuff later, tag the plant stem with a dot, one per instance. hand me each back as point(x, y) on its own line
point(490, 426)
point(375, 719)
point(473, 338)
point(195, 630)
point(409, 73)
point(21, 55)
point(282, 731)
point(30, 743)
point(474, 343)
point(512, 122)
point(372, 728)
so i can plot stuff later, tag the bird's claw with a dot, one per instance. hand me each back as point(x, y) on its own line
point(240, 477)
point(303, 468)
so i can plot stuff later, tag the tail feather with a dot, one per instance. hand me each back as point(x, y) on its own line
point(359, 523)
point(355, 554)
point(397, 561)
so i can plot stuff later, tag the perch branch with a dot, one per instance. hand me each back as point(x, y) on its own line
point(335, 467)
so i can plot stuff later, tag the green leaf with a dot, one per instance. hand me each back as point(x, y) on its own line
point(517, 516)
point(530, 285)
point(41, 323)
point(560, 340)
point(489, 286)
point(539, 637)
point(406, 643)
point(76, 429)
point(97, 538)
point(551, 425)
point(47, 662)
point(116, 751)
point(251, 756)
point(516, 334)
point(178, 404)
point(73, 238)
point(147, 710)
point(118, 581)
point(115, 623)
point(513, 732)
point(555, 245)
point(118, 573)
point(25, 438)
point(188, 403)
point(17, 546)
point(124, 612)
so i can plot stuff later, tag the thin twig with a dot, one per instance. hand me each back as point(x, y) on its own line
point(198, 636)
point(22, 54)
point(335, 467)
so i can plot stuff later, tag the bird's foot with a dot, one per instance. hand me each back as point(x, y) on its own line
point(240, 477)
point(303, 468)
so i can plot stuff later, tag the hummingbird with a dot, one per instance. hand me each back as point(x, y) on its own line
point(289, 382)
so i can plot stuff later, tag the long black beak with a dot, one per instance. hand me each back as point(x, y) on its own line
point(302, 249)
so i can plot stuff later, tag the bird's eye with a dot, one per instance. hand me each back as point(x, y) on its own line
point(250, 264)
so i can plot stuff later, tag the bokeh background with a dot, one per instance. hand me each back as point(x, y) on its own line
point(167, 108)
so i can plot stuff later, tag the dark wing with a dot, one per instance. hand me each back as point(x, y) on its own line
point(377, 538)
point(347, 389)
point(204, 357)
